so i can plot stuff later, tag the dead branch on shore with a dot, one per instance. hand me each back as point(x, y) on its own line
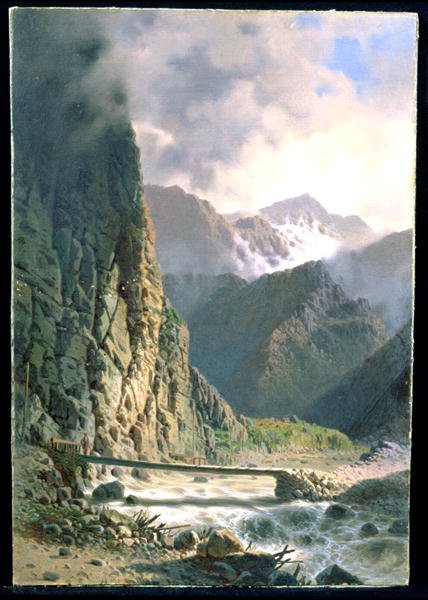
point(280, 561)
point(145, 522)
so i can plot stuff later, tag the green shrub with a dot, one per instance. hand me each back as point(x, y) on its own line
point(67, 462)
point(273, 434)
point(171, 322)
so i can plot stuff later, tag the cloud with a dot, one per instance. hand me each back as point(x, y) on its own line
point(63, 85)
point(248, 28)
point(248, 107)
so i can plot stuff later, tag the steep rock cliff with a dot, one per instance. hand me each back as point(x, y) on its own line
point(97, 348)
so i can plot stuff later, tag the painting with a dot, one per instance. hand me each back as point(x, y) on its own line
point(212, 304)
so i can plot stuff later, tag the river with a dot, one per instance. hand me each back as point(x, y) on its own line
point(247, 505)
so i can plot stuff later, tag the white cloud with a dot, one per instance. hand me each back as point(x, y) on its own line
point(257, 130)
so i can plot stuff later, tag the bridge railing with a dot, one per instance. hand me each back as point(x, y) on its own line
point(64, 445)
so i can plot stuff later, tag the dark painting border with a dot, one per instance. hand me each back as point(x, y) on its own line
point(418, 587)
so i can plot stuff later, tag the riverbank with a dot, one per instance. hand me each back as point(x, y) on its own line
point(105, 553)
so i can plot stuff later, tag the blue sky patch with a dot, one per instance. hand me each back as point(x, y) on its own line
point(305, 20)
point(396, 41)
point(324, 90)
point(348, 57)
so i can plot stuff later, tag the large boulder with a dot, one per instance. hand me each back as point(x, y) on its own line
point(186, 540)
point(259, 564)
point(223, 542)
point(335, 575)
point(339, 511)
point(368, 529)
point(113, 490)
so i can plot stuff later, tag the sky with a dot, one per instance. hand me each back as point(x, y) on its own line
point(246, 108)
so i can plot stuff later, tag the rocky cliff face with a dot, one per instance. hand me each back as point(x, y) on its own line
point(373, 398)
point(273, 346)
point(95, 341)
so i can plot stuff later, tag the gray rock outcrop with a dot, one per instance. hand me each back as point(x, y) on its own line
point(95, 339)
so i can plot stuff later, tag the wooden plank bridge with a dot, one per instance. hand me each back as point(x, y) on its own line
point(287, 480)
point(214, 469)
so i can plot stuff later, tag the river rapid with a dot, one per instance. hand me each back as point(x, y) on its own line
point(247, 505)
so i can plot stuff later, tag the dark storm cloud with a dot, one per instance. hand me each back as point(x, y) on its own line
point(58, 92)
point(199, 77)
point(188, 95)
point(134, 24)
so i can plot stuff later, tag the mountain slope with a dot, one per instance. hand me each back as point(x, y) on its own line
point(97, 348)
point(274, 345)
point(191, 237)
point(188, 293)
point(313, 232)
point(382, 273)
point(373, 399)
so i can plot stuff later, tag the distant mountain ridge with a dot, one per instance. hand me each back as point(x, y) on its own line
point(304, 220)
point(276, 344)
point(192, 237)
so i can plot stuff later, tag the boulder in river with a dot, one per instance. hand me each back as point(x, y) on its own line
point(335, 575)
point(368, 529)
point(132, 500)
point(201, 549)
point(223, 542)
point(113, 490)
point(140, 474)
point(117, 472)
point(259, 564)
point(339, 511)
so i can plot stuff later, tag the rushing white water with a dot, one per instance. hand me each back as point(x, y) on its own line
point(247, 505)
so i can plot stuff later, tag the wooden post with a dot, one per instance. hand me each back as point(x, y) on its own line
point(25, 411)
point(194, 432)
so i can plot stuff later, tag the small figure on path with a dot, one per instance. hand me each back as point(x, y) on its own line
point(85, 443)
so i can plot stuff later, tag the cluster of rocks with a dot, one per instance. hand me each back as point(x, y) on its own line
point(339, 511)
point(99, 525)
point(222, 554)
point(305, 484)
point(383, 449)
